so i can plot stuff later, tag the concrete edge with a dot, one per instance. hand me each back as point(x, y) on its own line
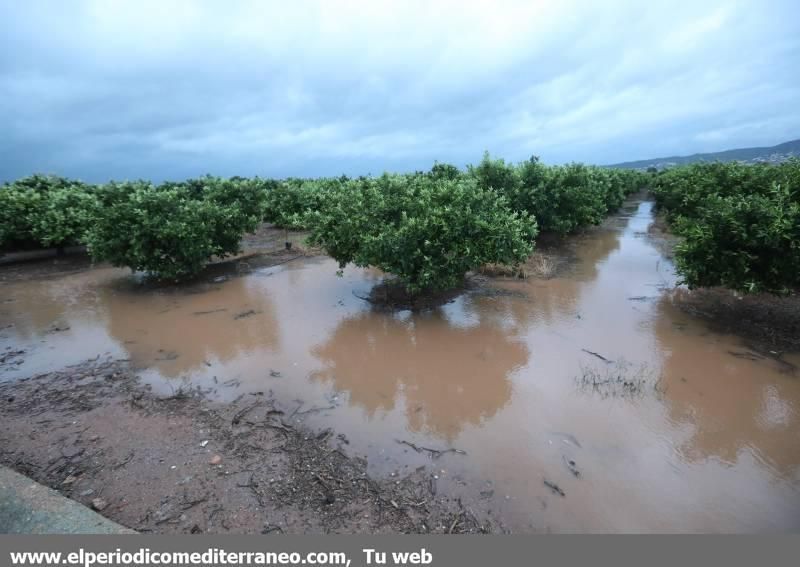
point(27, 507)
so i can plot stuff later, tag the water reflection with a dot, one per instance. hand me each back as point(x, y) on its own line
point(553, 300)
point(180, 332)
point(52, 305)
point(732, 399)
point(448, 376)
point(591, 250)
point(175, 330)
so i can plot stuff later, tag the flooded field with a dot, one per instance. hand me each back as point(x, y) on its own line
point(587, 402)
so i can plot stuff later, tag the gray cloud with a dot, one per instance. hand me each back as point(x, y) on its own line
point(169, 89)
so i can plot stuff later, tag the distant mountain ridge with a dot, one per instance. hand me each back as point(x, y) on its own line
point(775, 154)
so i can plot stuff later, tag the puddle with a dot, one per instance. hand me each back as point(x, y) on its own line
point(591, 384)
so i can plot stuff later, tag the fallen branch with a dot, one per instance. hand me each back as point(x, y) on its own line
point(435, 453)
point(185, 505)
point(240, 414)
point(455, 522)
point(245, 314)
point(600, 356)
point(209, 312)
point(125, 461)
point(554, 488)
point(315, 409)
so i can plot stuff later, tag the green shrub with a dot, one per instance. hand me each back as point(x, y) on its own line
point(740, 224)
point(15, 207)
point(681, 190)
point(746, 242)
point(562, 198)
point(173, 230)
point(289, 201)
point(444, 171)
point(619, 183)
point(44, 211)
point(64, 218)
point(427, 232)
point(496, 174)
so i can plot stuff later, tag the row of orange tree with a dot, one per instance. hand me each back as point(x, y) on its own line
point(426, 228)
point(739, 224)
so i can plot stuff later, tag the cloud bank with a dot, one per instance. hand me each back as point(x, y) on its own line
point(170, 89)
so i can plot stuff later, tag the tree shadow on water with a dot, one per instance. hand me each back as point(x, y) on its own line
point(447, 377)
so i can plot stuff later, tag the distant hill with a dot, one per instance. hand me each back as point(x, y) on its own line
point(778, 153)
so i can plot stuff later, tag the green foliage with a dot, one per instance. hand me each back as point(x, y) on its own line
point(428, 228)
point(64, 217)
point(620, 183)
point(15, 207)
point(427, 232)
point(740, 224)
point(562, 198)
point(172, 230)
point(444, 171)
point(681, 190)
point(749, 243)
point(44, 211)
point(289, 201)
point(496, 174)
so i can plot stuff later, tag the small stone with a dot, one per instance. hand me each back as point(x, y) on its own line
point(204, 443)
point(69, 480)
point(215, 460)
point(99, 504)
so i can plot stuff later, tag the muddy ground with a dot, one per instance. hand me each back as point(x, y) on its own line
point(184, 464)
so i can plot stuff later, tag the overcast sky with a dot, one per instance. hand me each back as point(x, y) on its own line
point(161, 89)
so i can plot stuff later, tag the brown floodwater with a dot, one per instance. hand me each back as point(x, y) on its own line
point(685, 430)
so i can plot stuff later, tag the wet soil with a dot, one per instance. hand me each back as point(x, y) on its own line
point(184, 464)
point(770, 324)
point(391, 296)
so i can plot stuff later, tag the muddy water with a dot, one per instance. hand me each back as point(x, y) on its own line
point(684, 430)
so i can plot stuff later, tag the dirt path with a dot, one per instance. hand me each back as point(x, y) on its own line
point(183, 464)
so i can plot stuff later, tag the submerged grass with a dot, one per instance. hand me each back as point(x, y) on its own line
point(538, 265)
point(620, 379)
